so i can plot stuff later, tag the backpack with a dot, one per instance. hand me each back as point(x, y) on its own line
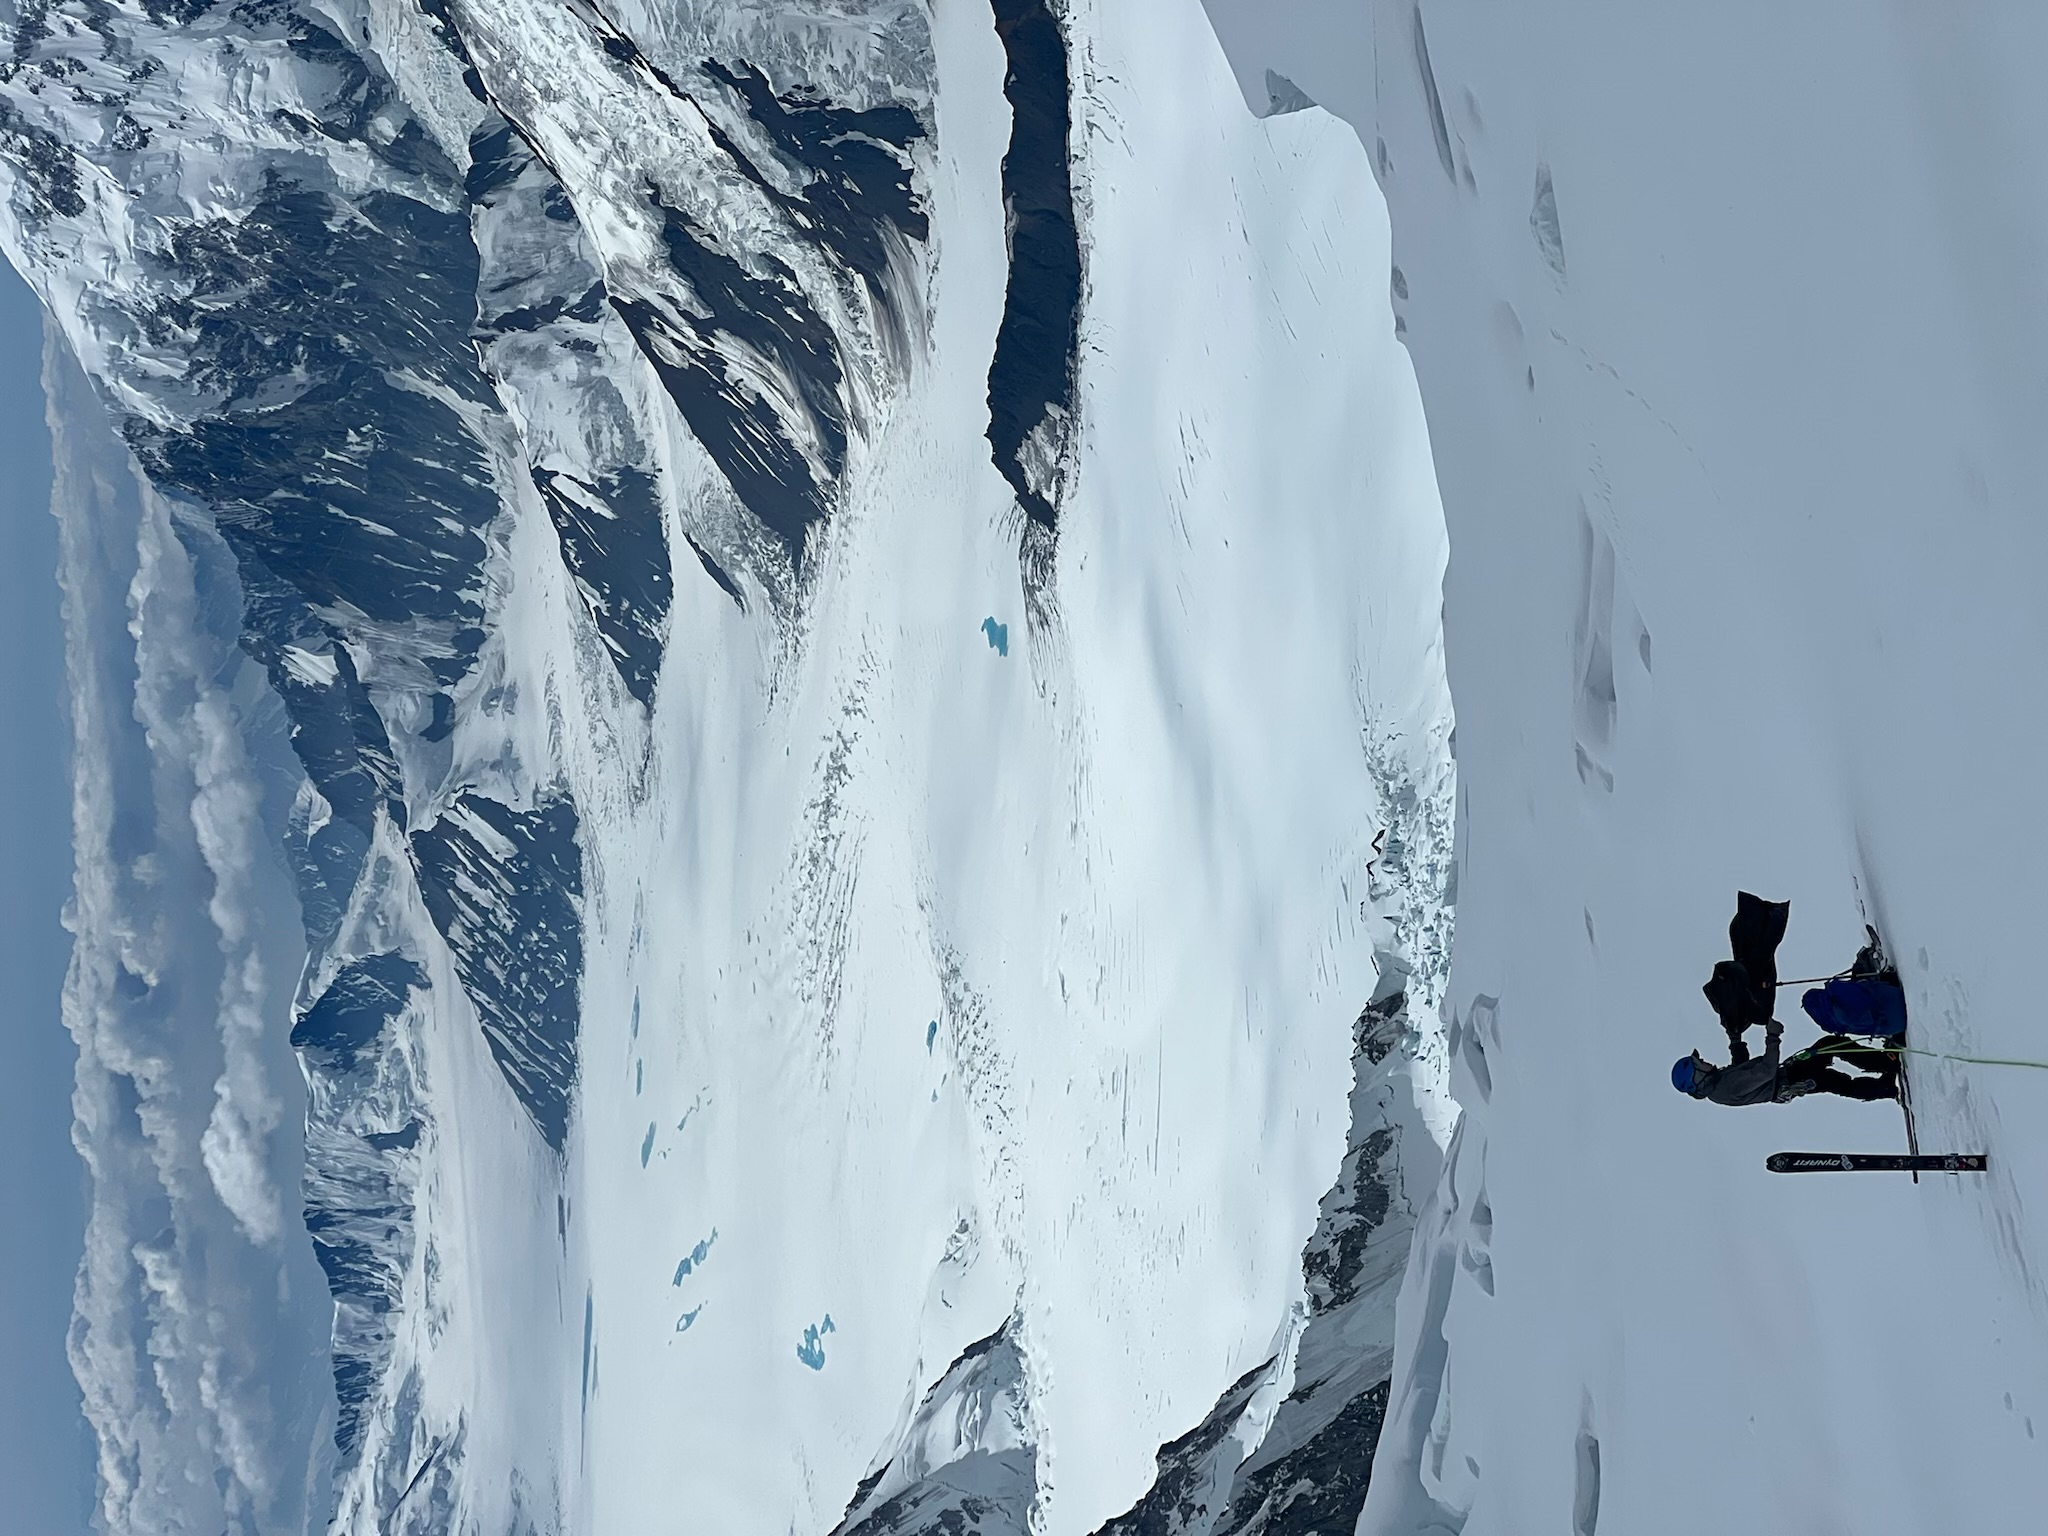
point(1858, 1005)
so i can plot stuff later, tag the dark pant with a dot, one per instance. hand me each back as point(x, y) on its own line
point(1815, 1069)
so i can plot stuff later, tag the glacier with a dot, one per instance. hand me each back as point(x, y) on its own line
point(802, 698)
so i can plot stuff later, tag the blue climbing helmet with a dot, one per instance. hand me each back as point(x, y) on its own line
point(1684, 1072)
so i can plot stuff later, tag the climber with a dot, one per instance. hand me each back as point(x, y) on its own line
point(1769, 1080)
point(1743, 991)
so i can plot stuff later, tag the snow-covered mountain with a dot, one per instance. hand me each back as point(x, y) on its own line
point(1728, 325)
point(831, 613)
point(764, 790)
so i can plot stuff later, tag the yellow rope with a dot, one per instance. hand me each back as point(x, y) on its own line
point(1914, 1050)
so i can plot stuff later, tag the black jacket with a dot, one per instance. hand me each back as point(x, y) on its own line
point(1744, 991)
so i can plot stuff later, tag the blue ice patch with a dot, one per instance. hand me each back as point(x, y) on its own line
point(694, 1257)
point(812, 1350)
point(683, 1323)
point(998, 635)
point(647, 1144)
point(931, 1033)
point(639, 1077)
point(636, 1015)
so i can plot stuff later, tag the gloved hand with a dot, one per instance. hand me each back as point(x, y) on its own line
point(1738, 1048)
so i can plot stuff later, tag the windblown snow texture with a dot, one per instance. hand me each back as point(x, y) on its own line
point(505, 887)
point(1031, 379)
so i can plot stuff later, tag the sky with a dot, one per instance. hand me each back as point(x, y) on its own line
point(45, 1450)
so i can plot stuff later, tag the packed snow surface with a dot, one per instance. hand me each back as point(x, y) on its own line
point(1729, 331)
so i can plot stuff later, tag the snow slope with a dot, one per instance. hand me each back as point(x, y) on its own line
point(1728, 330)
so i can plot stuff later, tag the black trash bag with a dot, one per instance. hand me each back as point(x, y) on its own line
point(1744, 991)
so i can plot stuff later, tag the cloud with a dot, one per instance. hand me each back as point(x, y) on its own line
point(191, 728)
point(200, 1318)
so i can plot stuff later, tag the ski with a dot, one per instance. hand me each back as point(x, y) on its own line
point(1906, 1104)
point(1877, 1162)
point(1874, 960)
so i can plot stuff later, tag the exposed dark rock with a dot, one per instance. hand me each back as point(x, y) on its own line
point(505, 888)
point(1194, 1472)
point(768, 467)
point(990, 1483)
point(353, 1012)
point(542, 297)
point(1318, 1488)
point(49, 171)
point(859, 160)
point(1031, 377)
point(359, 1182)
point(613, 545)
point(299, 371)
point(717, 573)
point(1310, 1470)
point(349, 492)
